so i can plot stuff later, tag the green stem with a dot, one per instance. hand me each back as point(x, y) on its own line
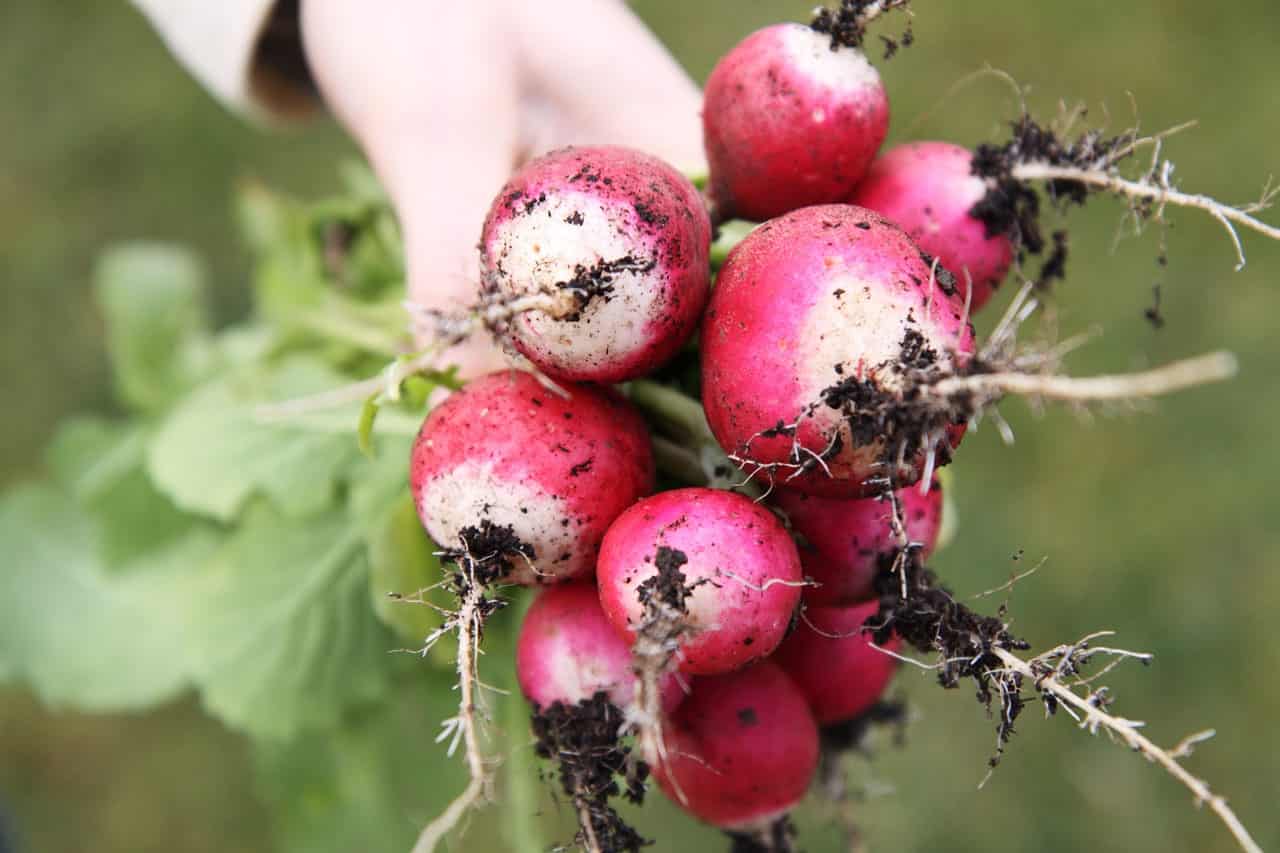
point(678, 462)
point(731, 233)
point(688, 440)
point(679, 413)
point(334, 326)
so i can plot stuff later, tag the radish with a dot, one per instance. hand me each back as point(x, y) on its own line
point(568, 652)
point(526, 480)
point(823, 325)
point(728, 562)
point(929, 189)
point(608, 247)
point(790, 121)
point(845, 539)
point(835, 664)
point(741, 749)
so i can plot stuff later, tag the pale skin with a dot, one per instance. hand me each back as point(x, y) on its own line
point(446, 98)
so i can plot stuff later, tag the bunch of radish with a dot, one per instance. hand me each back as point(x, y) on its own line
point(720, 630)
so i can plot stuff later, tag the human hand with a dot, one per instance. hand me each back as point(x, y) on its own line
point(446, 98)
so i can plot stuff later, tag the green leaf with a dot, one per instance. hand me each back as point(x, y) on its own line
point(282, 637)
point(81, 637)
point(364, 430)
point(216, 450)
point(371, 784)
point(403, 562)
point(152, 298)
point(101, 464)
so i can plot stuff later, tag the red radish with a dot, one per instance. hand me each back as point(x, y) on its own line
point(845, 538)
point(527, 477)
point(568, 651)
point(835, 664)
point(789, 122)
point(741, 750)
point(820, 323)
point(736, 556)
point(928, 189)
point(615, 244)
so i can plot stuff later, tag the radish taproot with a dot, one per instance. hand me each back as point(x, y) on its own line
point(845, 539)
point(741, 749)
point(528, 479)
point(928, 189)
point(727, 562)
point(789, 121)
point(567, 652)
point(608, 248)
point(822, 326)
point(835, 663)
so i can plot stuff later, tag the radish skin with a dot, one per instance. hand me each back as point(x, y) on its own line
point(835, 664)
point(567, 652)
point(788, 122)
point(740, 562)
point(928, 189)
point(810, 310)
point(845, 539)
point(741, 750)
point(557, 471)
point(616, 242)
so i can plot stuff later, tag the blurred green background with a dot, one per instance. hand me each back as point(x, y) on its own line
point(1160, 524)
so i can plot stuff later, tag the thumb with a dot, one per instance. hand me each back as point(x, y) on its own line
point(439, 125)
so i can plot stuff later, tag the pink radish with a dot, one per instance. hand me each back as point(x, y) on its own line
point(610, 246)
point(568, 652)
point(836, 666)
point(735, 556)
point(789, 122)
point(526, 478)
point(846, 538)
point(822, 326)
point(741, 750)
point(928, 189)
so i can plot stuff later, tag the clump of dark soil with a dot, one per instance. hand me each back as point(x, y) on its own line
point(593, 766)
point(779, 837)
point(917, 608)
point(847, 24)
point(1012, 207)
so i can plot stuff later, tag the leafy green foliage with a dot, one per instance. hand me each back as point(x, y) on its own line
point(151, 296)
point(214, 539)
point(214, 451)
point(283, 637)
point(82, 637)
point(361, 787)
point(101, 465)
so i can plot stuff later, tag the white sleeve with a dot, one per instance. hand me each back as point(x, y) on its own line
point(248, 53)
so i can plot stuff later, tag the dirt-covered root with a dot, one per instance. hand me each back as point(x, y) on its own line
point(847, 24)
point(778, 837)
point(594, 766)
point(658, 637)
point(916, 608)
point(482, 557)
point(1071, 170)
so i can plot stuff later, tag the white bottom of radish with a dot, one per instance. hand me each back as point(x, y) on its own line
point(472, 493)
point(844, 70)
point(546, 247)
